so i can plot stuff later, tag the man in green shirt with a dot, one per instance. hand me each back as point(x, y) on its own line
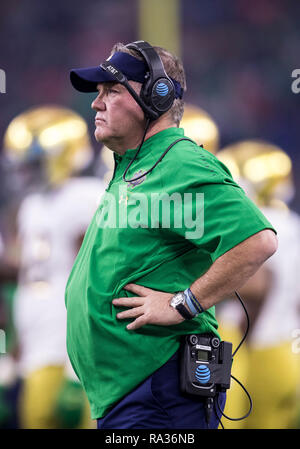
point(172, 220)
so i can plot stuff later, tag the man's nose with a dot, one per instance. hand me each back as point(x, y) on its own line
point(98, 104)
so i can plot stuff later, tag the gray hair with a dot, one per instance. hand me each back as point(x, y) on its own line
point(174, 69)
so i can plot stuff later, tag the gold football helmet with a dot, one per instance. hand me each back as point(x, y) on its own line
point(199, 126)
point(55, 136)
point(264, 170)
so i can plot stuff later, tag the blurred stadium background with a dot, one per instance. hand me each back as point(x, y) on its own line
point(238, 56)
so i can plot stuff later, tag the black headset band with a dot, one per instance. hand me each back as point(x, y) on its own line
point(151, 57)
point(158, 91)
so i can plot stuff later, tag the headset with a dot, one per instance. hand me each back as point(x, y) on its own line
point(158, 91)
point(157, 94)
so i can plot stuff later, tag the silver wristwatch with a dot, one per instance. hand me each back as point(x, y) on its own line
point(178, 302)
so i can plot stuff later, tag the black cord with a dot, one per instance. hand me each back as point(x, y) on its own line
point(135, 156)
point(250, 401)
point(234, 378)
point(157, 162)
point(216, 413)
point(209, 407)
point(248, 324)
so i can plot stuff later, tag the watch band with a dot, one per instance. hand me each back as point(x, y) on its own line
point(193, 302)
point(190, 305)
point(184, 312)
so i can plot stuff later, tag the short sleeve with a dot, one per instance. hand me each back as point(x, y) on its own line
point(229, 217)
point(216, 212)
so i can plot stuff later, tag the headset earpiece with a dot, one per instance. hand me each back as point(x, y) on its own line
point(158, 91)
point(162, 95)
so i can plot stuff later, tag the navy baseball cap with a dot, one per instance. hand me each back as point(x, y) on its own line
point(86, 80)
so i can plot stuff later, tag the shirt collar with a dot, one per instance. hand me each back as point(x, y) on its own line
point(156, 143)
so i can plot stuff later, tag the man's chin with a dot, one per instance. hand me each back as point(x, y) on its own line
point(107, 140)
point(99, 136)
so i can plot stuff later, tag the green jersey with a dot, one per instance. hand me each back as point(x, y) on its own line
point(163, 231)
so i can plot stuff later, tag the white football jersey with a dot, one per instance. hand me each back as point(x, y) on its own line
point(50, 225)
point(280, 313)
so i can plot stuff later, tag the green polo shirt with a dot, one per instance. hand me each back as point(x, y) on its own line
point(162, 231)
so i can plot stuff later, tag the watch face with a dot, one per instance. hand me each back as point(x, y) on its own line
point(178, 299)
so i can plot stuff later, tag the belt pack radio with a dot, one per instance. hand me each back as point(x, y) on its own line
point(205, 365)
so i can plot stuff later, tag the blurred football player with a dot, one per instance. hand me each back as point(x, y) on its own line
point(8, 376)
point(47, 147)
point(266, 363)
point(201, 127)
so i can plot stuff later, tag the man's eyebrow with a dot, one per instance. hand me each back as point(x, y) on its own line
point(108, 85)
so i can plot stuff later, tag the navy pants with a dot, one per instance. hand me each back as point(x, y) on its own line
point(157, 403)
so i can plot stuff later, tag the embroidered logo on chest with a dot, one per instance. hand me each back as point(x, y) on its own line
point(136, 182)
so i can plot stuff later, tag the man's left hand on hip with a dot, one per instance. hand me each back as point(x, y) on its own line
point(150, 307)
